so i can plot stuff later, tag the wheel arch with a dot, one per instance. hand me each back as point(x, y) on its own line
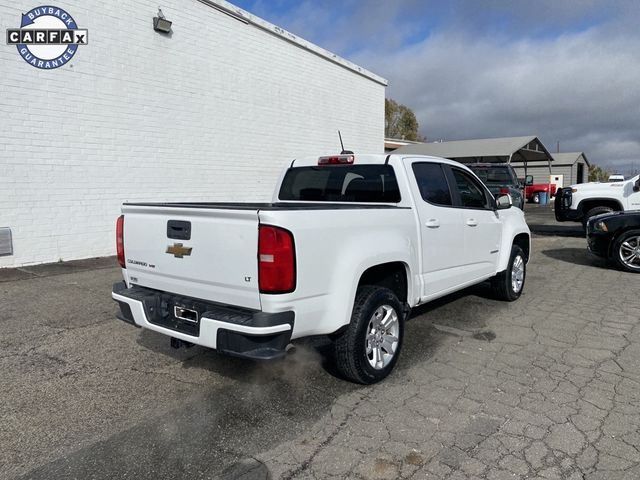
point(523, 240)
point(392, 275)
point(589, 203)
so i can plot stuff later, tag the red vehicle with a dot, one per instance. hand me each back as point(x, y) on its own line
point(532, 190)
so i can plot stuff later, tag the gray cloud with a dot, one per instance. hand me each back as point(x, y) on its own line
point(580, 89)
point(567, 71)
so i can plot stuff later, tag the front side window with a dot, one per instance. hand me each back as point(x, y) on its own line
point(472, 195)
point(432, 183)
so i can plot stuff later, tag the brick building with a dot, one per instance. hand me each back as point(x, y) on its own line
point(210, 111)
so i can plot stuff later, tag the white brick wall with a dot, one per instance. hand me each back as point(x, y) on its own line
point(211, 113)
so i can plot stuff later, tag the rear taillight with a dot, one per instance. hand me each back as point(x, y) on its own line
point(504, 190)
point(120, 241)
point(276, 260)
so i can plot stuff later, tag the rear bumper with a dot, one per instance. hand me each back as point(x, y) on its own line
point(235, 331)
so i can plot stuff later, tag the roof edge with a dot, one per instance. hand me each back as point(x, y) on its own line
point(530, 139)
point(248, 18)
point(544, 149)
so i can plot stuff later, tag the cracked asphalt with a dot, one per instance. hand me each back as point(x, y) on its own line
point(546, 387)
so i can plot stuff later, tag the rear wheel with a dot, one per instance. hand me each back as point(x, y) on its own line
point(593, 212)
point(626, 251)
point(508, 285)
point(368, 349)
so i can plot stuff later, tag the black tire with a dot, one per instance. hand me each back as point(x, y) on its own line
point(631, 237)
point(503, 285)
point(350, 346)
point(593, 212)
point(535, 198)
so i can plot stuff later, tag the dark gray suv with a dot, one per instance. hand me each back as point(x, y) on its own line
point(500, 178)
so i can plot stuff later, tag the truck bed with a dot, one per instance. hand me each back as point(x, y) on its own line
point(220, 242)
point(264, 206)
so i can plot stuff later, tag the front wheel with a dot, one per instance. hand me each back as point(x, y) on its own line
point(508, 285)
point(368, 349)
point(535, 198)
point(626, 251)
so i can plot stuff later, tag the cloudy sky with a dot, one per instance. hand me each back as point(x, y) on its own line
point(566, 70)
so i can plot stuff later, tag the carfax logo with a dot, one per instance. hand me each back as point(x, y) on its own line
point(48, 37)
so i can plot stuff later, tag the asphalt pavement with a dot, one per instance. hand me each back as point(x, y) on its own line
point(541, 220)
point(545, 387)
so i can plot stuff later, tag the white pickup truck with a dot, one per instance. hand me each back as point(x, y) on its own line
point(348, 246)
point(580, 202)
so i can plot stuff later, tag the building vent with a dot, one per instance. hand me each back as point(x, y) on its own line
point(6, 247)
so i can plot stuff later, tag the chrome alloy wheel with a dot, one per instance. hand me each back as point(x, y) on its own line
point(630, 252)
point(517, 274)
point(382, 336)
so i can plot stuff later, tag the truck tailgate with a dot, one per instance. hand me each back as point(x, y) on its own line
point(221, 265)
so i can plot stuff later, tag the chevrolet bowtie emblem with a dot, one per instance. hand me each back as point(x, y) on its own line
point(178, 250)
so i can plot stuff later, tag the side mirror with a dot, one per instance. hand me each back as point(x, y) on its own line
point(503, 202)
point(528, 180)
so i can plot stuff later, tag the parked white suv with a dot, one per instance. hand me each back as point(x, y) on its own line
point(348, 246)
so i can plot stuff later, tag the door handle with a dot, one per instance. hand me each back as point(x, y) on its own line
point(432, 223)
point(472, 223)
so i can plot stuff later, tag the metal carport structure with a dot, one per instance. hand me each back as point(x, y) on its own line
point(518, 151)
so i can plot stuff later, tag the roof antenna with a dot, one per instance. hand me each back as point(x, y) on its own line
point(343, 152)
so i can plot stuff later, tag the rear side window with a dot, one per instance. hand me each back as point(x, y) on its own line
point(432, 183)
point(341, 183)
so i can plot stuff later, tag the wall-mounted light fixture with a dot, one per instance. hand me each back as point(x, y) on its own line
point(161, 24)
